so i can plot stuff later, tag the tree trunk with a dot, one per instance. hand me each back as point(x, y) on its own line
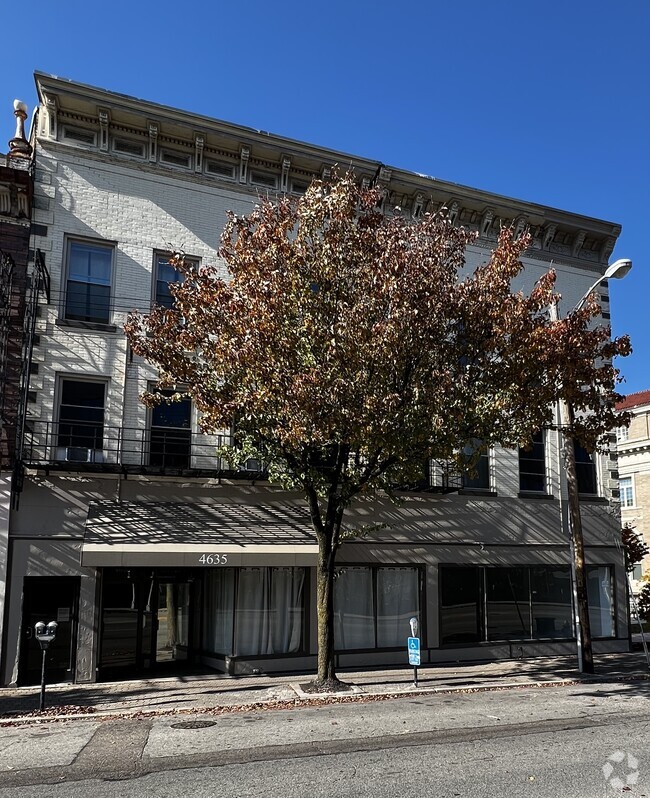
point(326, 676)
point(578, 555)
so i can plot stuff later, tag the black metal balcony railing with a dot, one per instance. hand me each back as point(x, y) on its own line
point(75, 445)
point(72, 445)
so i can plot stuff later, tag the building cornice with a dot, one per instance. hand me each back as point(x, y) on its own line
point(558, 235)
point(633, 447)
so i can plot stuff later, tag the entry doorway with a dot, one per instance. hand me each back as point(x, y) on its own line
point(146, 622)
point(49, 598)
point(172, 632)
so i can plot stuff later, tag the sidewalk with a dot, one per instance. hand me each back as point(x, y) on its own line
point(214, 691)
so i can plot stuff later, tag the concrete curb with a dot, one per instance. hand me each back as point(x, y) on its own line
point(356, 694)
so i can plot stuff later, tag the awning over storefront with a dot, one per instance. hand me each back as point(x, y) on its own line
point(140, 534)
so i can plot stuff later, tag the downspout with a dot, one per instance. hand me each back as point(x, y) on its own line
point(128, 356)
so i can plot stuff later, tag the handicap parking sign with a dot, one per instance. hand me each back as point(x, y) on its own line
point(414, 650)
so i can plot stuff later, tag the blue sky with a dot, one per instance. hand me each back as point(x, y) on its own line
point(545, 102)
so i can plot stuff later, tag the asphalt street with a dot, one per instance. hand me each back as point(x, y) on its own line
point(584, 740)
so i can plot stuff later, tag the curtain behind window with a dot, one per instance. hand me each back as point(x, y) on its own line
point(269, 614)
point(219, 606)
point(354, 613)
point(397, 602)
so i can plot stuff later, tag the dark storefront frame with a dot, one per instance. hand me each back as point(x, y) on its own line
point(420, 613)
point(234, 637)
point(475, 589)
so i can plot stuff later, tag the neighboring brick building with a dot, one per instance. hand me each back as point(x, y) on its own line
point(16, 188)
point(141, 542)
point(634, 469)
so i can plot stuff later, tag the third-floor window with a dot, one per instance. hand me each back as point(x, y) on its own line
point(585, 470)
point(532, 466)
point(88, 286)
point(165, 275)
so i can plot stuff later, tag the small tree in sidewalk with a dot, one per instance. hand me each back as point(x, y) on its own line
point(635, 548)
point(348, 346)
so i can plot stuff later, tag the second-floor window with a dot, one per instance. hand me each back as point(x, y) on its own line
point(479, 479)
point(532, 466)
point(171, 434)
point(88, 286)
point(80, 434)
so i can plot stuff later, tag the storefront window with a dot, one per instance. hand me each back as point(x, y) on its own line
point(600, 599)
point(459, 604)
point(397, 601)
point(372, 606)
point(519, 603)
point(354, 609)
point(550, 589)
point(218, 618)
point(254, 611)
point(507, 607)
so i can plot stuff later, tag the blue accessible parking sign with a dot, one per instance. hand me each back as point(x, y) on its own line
point(414, 650)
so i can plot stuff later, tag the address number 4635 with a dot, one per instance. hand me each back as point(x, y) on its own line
point(213, 559)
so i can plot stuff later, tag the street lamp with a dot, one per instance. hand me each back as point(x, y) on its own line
point(617, 270)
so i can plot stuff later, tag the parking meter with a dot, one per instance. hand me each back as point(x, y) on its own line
point(45, 634)
point(414, 648)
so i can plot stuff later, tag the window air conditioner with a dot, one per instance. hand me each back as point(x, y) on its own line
point(251, 465)
point(79, 454)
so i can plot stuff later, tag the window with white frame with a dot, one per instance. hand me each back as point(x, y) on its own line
point(220, 169)
point(264, 179)
point(176, 158)
point(626, 488)
point(79, 135)
point(621, 434)
point(88, 283)
point(129, 147)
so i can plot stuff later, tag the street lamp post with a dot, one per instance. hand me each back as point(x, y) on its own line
point(617, 270)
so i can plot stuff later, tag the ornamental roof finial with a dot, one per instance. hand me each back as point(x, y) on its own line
point(19, 147)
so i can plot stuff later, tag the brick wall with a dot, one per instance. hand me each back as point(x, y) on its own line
point(14, 241)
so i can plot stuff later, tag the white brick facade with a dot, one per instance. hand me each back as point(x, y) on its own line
point(141, 205)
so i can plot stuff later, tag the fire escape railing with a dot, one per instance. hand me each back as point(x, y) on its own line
point(38, 287)
point(6, 288)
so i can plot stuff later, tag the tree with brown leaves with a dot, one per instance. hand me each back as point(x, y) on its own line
point(348, 346)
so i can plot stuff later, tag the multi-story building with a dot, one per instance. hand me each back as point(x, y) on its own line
point(633, 445)
point(148, 551)
point(16, 308)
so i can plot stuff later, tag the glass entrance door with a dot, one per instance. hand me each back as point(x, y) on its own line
point(145, 621)
point(172, 622)
point(126, 629)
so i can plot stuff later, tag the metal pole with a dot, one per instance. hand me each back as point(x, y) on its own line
point(583, 630)
point(577, 549)
point(638, 618)
point(41, 705)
